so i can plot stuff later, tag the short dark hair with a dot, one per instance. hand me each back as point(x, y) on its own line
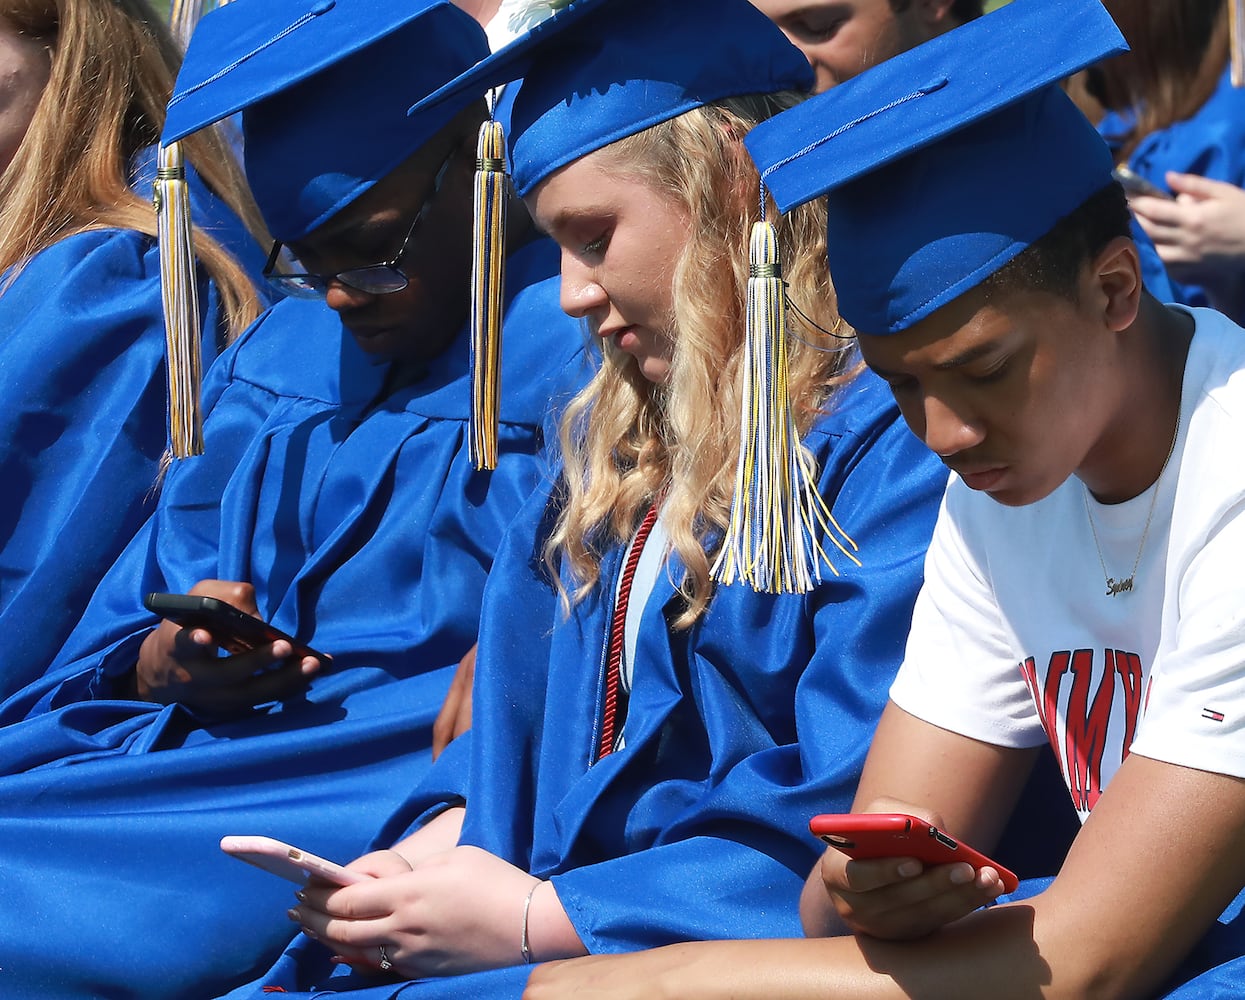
point(1053, 264)
point(962, 11)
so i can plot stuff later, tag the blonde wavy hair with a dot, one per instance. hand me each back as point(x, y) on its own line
point(625, 440)
point(113, 63)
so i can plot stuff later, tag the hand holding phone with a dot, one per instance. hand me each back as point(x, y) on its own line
point(232, 629)
point(292, 863)
point(899, 835)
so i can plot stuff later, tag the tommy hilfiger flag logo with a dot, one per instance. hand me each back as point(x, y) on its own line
point(1210, 713)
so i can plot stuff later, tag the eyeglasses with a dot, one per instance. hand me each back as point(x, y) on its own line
point(374, 279)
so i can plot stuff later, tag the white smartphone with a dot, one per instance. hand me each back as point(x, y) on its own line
point(287, 861)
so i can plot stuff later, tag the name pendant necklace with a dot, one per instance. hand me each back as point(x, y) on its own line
point(1123, 586)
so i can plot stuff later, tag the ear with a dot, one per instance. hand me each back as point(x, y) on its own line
point(935, 15)
point(1115, 283)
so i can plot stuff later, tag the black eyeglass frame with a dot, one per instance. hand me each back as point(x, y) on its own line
point(389, 277)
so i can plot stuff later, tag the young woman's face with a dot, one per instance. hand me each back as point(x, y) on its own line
point(620, 240)
point(25, 64)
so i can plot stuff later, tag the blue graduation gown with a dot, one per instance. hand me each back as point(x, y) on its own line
point(738, 729)
point(1210, 143)
point(367, 533)
point(83, 424)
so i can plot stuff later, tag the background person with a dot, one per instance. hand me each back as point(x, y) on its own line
point(1172, 108)
point(841, 38)
point(1200, 234)
point(83, 423)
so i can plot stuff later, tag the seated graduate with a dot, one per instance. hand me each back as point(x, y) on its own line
point(1172, 111)
point(642, 728)
point(82, 333)
point(337, 497)
point(1082, 587)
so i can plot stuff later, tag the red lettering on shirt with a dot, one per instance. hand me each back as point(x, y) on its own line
point(1078, 733)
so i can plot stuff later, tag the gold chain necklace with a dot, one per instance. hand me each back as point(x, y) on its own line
point(1115, 586)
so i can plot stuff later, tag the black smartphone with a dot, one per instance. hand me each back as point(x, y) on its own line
point(1136, 184)
point(232, 629)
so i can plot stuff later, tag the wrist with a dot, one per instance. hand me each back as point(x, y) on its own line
point(405, 860)
point(550, 933)
point(525, 942)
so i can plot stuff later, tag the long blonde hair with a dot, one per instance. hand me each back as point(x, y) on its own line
point(113, 63)
point(625, 441)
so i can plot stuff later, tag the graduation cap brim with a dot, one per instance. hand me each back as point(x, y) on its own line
point(266, 62)
point(925, 94)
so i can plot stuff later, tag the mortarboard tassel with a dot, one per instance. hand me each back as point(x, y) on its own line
point(776, 513)
point(488, 272)
point(1236, 34)
point(180, 293)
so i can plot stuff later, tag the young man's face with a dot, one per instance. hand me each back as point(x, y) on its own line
point(418, 322)
point(1014, 395)
point(841, 38)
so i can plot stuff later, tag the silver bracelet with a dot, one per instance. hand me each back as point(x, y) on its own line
point(525, 945)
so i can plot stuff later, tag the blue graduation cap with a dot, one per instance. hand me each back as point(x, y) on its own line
point(599, 71)
point(323, 87)
point(945, 162)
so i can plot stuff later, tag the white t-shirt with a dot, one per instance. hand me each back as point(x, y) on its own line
point(1016, 642)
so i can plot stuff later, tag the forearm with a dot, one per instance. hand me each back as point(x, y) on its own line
point(990, 955)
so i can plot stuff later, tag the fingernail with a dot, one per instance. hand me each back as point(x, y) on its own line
point(300, 896)
point(909, 868)
point(962, 874)
point(292, 914)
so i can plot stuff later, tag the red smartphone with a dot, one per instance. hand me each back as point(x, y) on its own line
point(290, 863)
point(233, 629)
point(898, 835)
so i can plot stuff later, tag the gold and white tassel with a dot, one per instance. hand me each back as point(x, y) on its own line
point(777, 514)
point(1236, 34)
point(488, 274)
point(180, 294)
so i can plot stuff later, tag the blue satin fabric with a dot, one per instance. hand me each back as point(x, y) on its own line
point(1211, 143)
point(366, 532)
point(83, 404)
point(737, 732)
